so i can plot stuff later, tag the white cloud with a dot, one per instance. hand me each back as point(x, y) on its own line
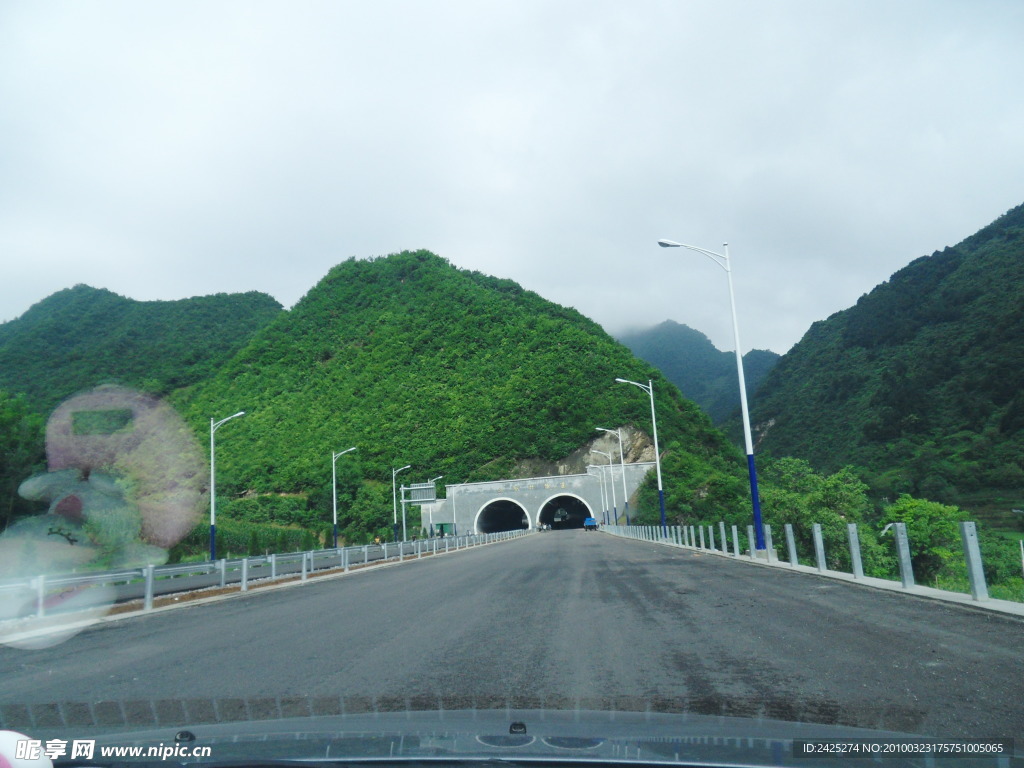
point(167, 150)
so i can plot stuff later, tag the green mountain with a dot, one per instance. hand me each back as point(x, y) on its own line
point(920, 382)
point(702, 372)
point(417, 362)
point(80, 337)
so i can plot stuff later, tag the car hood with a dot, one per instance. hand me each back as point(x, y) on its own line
point(580, 736)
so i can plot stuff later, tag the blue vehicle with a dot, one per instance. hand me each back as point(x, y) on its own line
point(590, 524)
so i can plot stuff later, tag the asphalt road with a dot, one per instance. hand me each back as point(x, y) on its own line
point(562, 619)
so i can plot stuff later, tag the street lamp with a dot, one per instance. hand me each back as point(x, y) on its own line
point(431, 481)
point(600, 484)
point(649, 389)
point(334, 488)
point(722, 260)
point(394, 501)
point(622, 464)
point(213, 485)
point(611, 479)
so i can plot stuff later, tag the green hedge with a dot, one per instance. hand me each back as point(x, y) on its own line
point(271, 508)
point(237, 538)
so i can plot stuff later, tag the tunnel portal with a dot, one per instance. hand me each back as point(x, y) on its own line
point(502, 515)
point(564, 512)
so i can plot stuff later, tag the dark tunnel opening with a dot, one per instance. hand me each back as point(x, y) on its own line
point(502, 515)
point(564, 512)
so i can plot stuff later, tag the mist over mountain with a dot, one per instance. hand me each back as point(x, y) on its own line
point(920, 381)
point(700, 370)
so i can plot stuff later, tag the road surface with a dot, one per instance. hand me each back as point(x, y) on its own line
point(560, 619)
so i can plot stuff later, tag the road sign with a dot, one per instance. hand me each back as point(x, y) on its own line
point(420, 493)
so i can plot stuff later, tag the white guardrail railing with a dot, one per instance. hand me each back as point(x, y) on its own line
point(693, 537)
point(43, 595)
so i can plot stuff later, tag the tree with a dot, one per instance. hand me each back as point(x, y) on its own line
point(933, 533)
point(22, 454)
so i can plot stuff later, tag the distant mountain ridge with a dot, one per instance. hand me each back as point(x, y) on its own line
point(921, 381)
point(701, 371)
point(83, 336)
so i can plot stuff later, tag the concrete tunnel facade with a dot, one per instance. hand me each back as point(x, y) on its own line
point(562, 501)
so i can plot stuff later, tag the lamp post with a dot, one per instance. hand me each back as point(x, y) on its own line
point(611, 481)
point(722, 260)
point(334, 488)
point(213, 484)
point(434, 480)
point(649, 389)
point(600, 484)
point(622, 465)
point(394, 501)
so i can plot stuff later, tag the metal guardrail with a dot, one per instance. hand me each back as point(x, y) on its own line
point(41, 594)
point(693, 537)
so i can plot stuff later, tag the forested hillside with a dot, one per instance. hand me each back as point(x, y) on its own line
point(702, 372)
point(417, 362)
point(82, 336)
point(920, 382)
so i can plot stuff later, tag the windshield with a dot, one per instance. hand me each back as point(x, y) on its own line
point(342, 378)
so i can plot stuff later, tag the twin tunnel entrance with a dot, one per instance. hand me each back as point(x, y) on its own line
point(560, 512)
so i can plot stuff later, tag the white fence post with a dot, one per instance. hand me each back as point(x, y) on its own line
point(148, 600)
point(903, 553)
point(791, 544)
point(855, 561)
point(972, 554)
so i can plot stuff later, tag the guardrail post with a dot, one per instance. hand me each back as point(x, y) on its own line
point(769, 547)
point(366, 554)
point(972, 554)
point(148, 600)
point(419, 549)
point(750, 541)
point(725, 541)
point(344, 559)
point(222, 566)
point(245, 574)
point(446, 545)
point(385, 550)
point(855, 561)
point(700, 530)
point(903, 554)
point(819, 546)
point(273, 566)
point(305, 566)
point(791, 544)
point(711, 537)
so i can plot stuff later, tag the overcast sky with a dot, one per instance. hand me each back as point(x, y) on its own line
point(171, 149)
